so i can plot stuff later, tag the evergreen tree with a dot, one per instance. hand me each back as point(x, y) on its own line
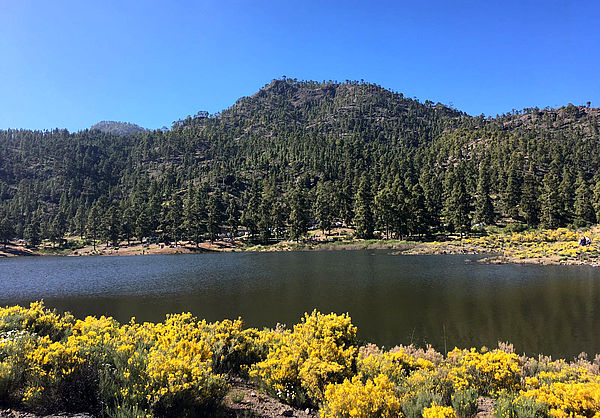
point(128, 223)
point(143, 225)
point(266, 212)
point(215, 215)
point(417, 222)
point(484, 208)
point(58, 228)
point(512, 194)
point(93, 224)
point(250, 213)
point(32, 231)
point(584, 211)
point(174, 218)
point(530, 199)
point(197, 215)
point(6, 230)
point(232, 217)
point(325, 205)
point(550, 202)
point(111, 225)
point(298, 213)
point(80, 221)
point(154, 211)
point(459, 205)
point(363, 210)
point(566, 193)
point(385, 210)
point(433, 193)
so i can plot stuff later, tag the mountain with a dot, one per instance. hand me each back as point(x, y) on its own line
point(303, 152)
point(117, 128)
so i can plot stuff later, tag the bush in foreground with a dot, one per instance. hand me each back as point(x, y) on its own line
point(51, 362)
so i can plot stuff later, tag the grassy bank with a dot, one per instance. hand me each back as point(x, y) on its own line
point(53, 362)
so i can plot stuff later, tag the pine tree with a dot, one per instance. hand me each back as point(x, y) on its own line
point(298, 221)
point(58, 228)
point(198, 215)
point(459, 205)
point(566, 194)
point(433, 193)
point(111, 225)
point(584, 211)
point(128, 223)
point(400, 208)
point(512, 194)
point(325, 205)
point(384, 210)
point(215, 215)
point(550, 202)
point(79, 221)
point(266, 212)
point(250, 213)
point(484, 208)
point(530, 199)
point(417, 221)
point(32, 231)
point(7, 230)
point(363, 210)
point(143, 225)
point(93, 223)
point(232, 216)
point(174, 218)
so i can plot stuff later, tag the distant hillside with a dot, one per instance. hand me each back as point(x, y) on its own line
point(303, 152)
point(118, 128)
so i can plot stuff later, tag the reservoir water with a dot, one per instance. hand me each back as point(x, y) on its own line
point(443, 300)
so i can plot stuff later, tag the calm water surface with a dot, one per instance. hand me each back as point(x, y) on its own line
point(444, 300)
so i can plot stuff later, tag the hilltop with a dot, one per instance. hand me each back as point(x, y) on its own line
point(117, 128)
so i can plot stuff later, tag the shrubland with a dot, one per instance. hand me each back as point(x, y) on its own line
point(53, 362)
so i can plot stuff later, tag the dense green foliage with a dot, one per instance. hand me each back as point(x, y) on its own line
point(302, 154)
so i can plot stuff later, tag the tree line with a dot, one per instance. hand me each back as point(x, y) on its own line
point(304, 154)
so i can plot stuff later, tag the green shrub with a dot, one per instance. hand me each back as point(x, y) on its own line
point(414, 405)
point(509, 406)
point(465, 403)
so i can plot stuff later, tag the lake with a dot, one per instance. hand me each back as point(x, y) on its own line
point(443, 300)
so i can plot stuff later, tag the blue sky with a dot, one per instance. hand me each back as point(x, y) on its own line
point(69, 64)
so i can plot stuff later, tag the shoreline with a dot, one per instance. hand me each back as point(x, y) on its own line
point(498, 249)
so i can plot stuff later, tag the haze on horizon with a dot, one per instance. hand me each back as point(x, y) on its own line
point(70, 64)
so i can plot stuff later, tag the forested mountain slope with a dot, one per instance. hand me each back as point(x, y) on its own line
point(296, 153)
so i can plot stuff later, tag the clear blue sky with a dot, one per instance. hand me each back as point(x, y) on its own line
point(73, 63)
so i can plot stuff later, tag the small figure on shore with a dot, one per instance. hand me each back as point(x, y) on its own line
point(584, 241)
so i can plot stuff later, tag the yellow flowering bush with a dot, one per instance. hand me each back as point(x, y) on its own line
point(51, 362)
point(320, 350)
point(180, 369)
point(36, 319)
point(437, 411)
point(234, 348)
point(353, 398)
point(487, 372)
point(396, 365)
point(568, 399)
